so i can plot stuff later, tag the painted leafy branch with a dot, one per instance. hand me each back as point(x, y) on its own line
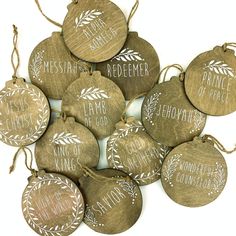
point(220, 67)
point(150, 107)
point(92, 94)
point(36, 65)
point(128, 55)
point(65, 138)
point(170, 167)
point(129, 187)
point(89, 218)
point(86, 17)
point(198, 120)
point(219, 179)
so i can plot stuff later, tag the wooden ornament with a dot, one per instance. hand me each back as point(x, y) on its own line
point(112, 206)
point(94, 30)
point(24, 115)
point(168, 115)
point(135, 69)
point(52, 205)
point(95, 102)
point(53, 68)
point(133, 151)
point(65, 147)
point(210, 82)
point(194, 173)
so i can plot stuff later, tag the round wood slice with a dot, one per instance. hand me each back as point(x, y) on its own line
point(52, 205)
point(94, 30)
point(53, 68)
point(112, 206)
point(24, 115)
point(168, 115)
point(210, 82)
point(135, 69)
point(95, 102)
point(133, 151)
point(194, 173)
point(65, 146)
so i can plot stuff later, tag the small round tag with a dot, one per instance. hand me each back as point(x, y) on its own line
point(95, 102)
point(112, 206)
point(52, 205)
point(210, 82)
point(94, 31)
point(133, 151)
point(24, 115)
point(135, 69)
point(65, 147)
point(52, 67)
point(169, 117)
point(194, 173)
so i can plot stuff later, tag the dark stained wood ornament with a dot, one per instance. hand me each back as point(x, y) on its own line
point(24, 115)
point(94, 30)
point(168, 115)
point(112, 206)
point(65, 147)
point(136, 67)
point(95, 102)
point(210, 82)
point(194, 173)
point(53, 68)
point(133, 151)
point(52, 205)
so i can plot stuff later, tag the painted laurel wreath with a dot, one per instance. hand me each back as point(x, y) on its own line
point(92, 93)
point(36, 65)
point(170, 167)
point(65, 138)
point(128, 55)
point(220, 67)
point(29, 211)
point(43, 111)
point(87, 17)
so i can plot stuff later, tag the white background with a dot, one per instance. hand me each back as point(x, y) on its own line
point(179, 30)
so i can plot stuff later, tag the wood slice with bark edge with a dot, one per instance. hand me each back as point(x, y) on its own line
point(133, 151)
point(65, 146)
point(53, 68)
point(125, 202)
point(95, 102)
point(136, 67)
point(168, 115)
point(52, 205)
point(94, 31)
point(210, 82)
point(194, 173)
point(24, 113)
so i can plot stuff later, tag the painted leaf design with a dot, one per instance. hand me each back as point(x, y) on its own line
point(86, 17)
point(128, 55)
point(150, 106)
point(170, 167)
point(198, 119)
point(92, 94)
point(36, 65)
point(65, 139)
point(89, 217)
point(129, 187)
point(220, 67)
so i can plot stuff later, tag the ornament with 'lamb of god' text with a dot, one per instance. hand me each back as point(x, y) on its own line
point(53, 68)
point(95, 102)
point(135, 69)
point(113, 201)
point(210, 81)
point(94, 31)
point(24, 109)
point(195, 173)
point(168, 115)
point(65, 146)
point(133, 151)
point(52, 205)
